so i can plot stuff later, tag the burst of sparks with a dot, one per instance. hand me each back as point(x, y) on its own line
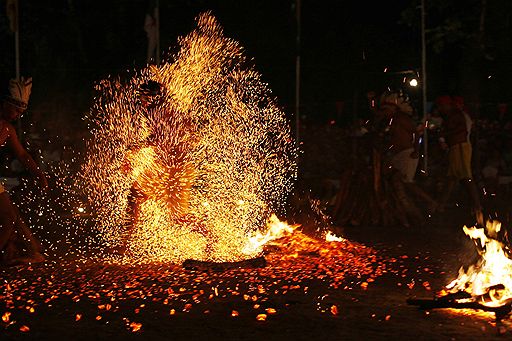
point(211, 158)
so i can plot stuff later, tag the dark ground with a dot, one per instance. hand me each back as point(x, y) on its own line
point(88, 300)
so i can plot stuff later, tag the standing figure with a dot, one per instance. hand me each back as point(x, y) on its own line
point(403, 144)
point(17, 244)
point(456, 131)
point(403, 135)
point(158, 185)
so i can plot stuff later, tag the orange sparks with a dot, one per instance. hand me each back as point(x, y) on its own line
point(135, 327)
point(6, 316)
point(197, 170)
point(261, 317)
point(271, 311)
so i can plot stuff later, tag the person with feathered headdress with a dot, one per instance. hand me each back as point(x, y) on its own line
point(13, 230)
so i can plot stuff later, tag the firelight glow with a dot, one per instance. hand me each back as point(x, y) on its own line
point(209, 160)
point(489, 281)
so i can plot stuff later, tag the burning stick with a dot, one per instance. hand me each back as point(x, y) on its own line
point(443, 302)
point(191, 264)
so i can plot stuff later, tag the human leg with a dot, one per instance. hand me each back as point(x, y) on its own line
point(7, 221)
point(15, 237)
point(445, 196)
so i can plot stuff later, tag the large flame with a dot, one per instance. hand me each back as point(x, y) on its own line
point(489, 281)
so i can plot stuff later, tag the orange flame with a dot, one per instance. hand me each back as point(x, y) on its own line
point(493, 268)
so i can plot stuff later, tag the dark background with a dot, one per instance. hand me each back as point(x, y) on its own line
point(67, 45)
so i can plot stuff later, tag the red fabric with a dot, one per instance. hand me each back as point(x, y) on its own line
point(444, 100)
point(455, 128)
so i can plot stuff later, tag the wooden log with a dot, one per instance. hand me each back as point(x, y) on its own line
point(428, 304)
point(374, 210)
point(361, 201)
point(342, 194)
point(351, 203)
point(377, 171)
point(192, 264)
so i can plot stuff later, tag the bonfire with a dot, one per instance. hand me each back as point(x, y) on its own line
point(485, 285)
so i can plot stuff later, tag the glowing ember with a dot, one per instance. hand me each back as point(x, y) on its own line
point(300, 268)
point(199, 168)
point(6, 316)
point(489, 281)
point(135, 327)
point(261, 317)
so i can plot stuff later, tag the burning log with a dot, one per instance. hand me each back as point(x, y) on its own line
point(487, 284)
point(450, 301)
point(253, 263)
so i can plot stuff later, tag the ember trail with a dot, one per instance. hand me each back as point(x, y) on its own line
point(190, 158)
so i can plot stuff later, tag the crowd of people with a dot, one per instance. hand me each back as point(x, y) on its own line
point(397, 135)
point(469, 156)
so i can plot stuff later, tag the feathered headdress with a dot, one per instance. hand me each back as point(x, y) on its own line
point(19, 92)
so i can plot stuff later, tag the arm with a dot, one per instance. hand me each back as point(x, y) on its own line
point(24, 157)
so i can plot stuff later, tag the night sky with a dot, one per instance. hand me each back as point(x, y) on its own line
point(67, 45)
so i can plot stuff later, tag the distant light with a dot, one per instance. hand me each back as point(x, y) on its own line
point(413, 82)
point(81, 209)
